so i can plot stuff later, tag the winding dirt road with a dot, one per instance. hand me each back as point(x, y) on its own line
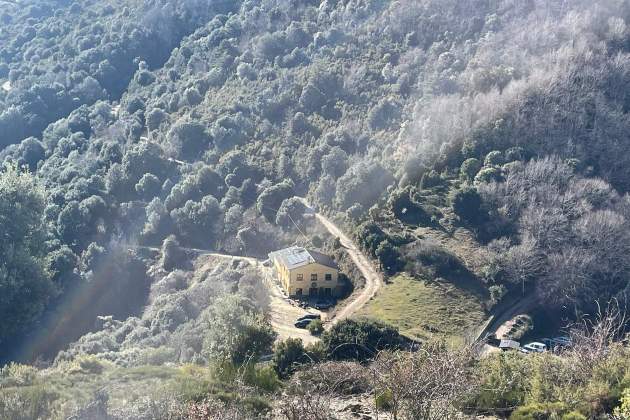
point(373, 279)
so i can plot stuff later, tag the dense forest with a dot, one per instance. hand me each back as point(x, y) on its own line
point(133, 130)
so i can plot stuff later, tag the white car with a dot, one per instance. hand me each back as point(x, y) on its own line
point(534, 347)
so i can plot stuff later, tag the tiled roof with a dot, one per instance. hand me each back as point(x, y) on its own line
point(297, 256)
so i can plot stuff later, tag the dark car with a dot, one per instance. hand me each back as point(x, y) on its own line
point(312, 317)
point(323, 305)
point(302, 323)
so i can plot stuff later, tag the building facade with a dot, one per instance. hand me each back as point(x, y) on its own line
point(306, 273)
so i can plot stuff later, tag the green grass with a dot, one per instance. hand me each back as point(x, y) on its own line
point(421, 309)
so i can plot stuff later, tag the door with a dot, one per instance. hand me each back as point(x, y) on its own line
point(312, 292)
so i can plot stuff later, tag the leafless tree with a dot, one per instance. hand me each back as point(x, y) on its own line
point(311, 391)
point(424, 385)
point(593, 338)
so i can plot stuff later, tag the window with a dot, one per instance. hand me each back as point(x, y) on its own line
point(298, 292)
point(300, 277)
point(328, 277)
point(313, 277)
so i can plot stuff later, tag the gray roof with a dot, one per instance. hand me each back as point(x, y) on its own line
point(296, 256)
point(509, 344)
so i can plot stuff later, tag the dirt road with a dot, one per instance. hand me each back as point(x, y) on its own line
point(282, 313)
point(373, 280)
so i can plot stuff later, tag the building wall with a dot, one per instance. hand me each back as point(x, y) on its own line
point(283, 274)
point(306, 284)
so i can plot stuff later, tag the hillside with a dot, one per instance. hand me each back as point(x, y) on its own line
point(475, 152)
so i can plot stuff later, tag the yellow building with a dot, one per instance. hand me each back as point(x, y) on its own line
point(306, 273)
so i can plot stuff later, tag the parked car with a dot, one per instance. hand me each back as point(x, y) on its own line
point(312, 317)
point(534, 347)
point(323, 305)
point(302, 323)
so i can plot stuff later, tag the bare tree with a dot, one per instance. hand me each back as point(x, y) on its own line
point(311, 391)
point(424, 385)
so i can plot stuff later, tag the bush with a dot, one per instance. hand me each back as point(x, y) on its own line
point(315, 327)
point(430, 179)
point(263, 377)
point(172, 254)
point(494, 158)
point(384, 400)
point(28, 403)
point(389, 257)
point(469, 169)
point(360, 339)
point(466, 203)
point(15, 374)
point(539, 411)
point(288, 356)
point(487, 175)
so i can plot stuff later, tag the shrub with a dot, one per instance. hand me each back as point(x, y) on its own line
point(33, 402)
point(389, 257)
point(487, 175)
point(466, 203)
point(360, 339)
point(288, 356)
point(494, 158)
point(15, 374)
point(623, 411)
point(172, 254)
point(538, 411)
point(430, 179)
point(263, 377)
point(383, 400)
point(427, 253)
point(315, 327)
point(469, 169)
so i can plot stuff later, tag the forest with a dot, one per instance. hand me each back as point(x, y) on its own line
point(132, 130)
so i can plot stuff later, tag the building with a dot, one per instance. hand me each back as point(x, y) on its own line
point(306, 273)
point(509, 345)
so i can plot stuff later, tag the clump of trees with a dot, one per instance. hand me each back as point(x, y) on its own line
point(571, 245)
point(25, 276)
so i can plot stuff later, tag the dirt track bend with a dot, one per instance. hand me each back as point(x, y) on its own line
point(373, 280)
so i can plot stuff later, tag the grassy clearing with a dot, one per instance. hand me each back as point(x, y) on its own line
point(422, 309)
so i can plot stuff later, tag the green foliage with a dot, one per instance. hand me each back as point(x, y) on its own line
point(539, 411)
point(236, 332)
point(27, 403)
point(199, 223)
point(466, 203)
point(359, 339)
point(288, 356)
point(384, 400)
point(15, 374)
point(430, 179)
point(389, 257)
point(623, 411)
point(270, 200)
point(487, 175)
point(469, 169)
point(315, 327)
point(263, 377)
point(504, 382)
point(494, 158)
point(25, 285)
point(172, 254)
